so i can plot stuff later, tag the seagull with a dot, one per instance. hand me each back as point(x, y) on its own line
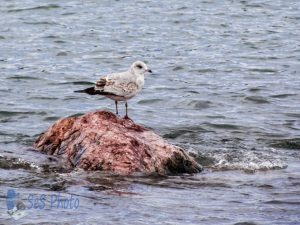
point(120, 86)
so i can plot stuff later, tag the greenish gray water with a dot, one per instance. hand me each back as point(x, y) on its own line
point(225, 87)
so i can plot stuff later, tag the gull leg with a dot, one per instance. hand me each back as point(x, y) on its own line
point(116, 102)
point(126, 106)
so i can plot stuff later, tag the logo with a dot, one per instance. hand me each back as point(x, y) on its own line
point(15, 207)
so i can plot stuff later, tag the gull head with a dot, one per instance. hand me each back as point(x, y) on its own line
point(139, 68)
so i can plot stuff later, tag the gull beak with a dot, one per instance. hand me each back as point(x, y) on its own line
point(150, 71)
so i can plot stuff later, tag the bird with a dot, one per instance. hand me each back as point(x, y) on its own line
point(121, 86)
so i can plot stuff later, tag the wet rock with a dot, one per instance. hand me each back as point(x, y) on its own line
point(102, 141)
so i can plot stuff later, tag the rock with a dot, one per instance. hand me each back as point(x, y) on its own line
point(102, 141)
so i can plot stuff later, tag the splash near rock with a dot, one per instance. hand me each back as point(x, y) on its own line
point(102, 141)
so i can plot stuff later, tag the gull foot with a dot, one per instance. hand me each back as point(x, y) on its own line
point(127, 118)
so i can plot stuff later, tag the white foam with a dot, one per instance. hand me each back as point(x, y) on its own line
point(246, 160)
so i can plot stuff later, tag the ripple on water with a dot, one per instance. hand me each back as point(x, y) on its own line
point(256, 89)
point(51, 118)
point(293, 143)
point(4, 113)
point(41, 23)
point(45, 7)
point(246, 223)
point(200, 104)
point(22, 77)
point(149, 101)
point(62, 54)
point(46, 98)
point(276, 202)
point(296, 115)
point(59, 41)
point(52, 36)
point(180, 131)
point(282, 95)
point(178, 68)
point(224, 126)
point(257, 99)
point(263, 70)
point(204, 70)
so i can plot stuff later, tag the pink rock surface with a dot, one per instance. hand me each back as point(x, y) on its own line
point(102, 141)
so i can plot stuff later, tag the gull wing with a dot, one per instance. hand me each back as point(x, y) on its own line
point(117, 84)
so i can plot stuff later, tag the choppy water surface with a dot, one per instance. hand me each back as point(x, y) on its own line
point(226, 87)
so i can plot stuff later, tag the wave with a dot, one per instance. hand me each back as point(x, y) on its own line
point(243, 159)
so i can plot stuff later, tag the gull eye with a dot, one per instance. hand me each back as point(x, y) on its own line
point(139, 66)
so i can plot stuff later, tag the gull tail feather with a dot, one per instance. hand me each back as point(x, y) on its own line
point(90, 91)
point(93, 91)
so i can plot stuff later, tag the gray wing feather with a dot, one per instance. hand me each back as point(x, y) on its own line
point(121, 84)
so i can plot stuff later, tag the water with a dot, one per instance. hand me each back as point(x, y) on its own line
point(225, 87)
